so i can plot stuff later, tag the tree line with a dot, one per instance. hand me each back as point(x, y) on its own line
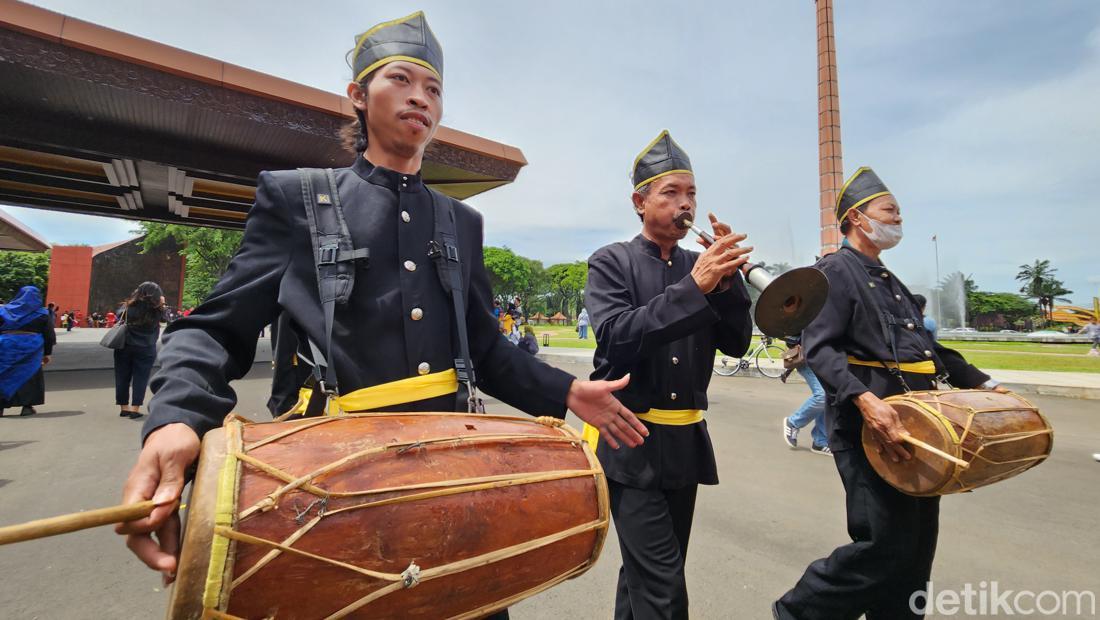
point(546, 289)
point(1033, 305)
point(19, 269)
point(557, 288)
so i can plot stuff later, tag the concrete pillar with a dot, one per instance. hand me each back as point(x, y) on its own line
point(830, 164)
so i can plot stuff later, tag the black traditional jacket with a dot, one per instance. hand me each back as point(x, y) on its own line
point(848, 326)
point(652, 321)
point(397, 323)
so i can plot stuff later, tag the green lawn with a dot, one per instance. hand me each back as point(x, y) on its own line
point(1019, 347)
point(1068, 357)
point(1045, 363)
point(992, 355)
point(565, 337)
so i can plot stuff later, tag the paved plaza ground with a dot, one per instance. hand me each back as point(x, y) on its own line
point(775, 511)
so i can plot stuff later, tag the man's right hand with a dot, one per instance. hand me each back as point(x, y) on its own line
point(159, 474)
point(721, 260)
point(886, 427)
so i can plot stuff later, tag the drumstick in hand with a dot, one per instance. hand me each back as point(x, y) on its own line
point(75, 521)
point(934, 450)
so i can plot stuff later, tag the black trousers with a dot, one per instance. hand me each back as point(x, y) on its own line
point(31, 393)
point(133, 365)
point(653, 526)
point(890, 556)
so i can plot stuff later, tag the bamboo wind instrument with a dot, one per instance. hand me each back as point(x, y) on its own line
point(75, 521)
point(788, 302)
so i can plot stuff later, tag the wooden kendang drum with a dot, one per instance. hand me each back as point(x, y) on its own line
point(989, 436)
point(390, 515)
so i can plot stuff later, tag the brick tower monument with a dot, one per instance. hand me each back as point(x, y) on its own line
point(830, 164)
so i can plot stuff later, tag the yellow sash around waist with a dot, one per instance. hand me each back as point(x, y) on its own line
point(927, 367)
point(387, 394)
point(667, 417)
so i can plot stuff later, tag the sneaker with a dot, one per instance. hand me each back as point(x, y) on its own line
point(790, 434)
point(824, 450)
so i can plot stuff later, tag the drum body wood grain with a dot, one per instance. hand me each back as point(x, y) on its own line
point(397, 515)
point(999, 435)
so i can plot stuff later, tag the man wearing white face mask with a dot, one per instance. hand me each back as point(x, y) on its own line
point(868, 343)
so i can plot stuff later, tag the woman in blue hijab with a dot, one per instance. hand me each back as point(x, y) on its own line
point(26, 343)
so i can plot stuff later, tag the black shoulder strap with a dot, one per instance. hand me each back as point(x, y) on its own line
point(336, 260)
point(443, 250)
point(942, 374)
point(886, 323)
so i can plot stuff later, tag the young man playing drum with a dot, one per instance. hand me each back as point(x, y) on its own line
point(397, 323)
point(659, 312)
point(868, 343)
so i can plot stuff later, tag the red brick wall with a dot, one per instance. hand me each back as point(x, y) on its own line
point(70, 278)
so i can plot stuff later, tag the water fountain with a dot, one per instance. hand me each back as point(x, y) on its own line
point(949, 301)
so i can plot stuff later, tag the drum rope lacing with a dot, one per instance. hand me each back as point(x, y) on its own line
point(412, 575)
point(970, 413)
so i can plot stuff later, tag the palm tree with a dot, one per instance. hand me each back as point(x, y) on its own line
point(1033, 277)
point(1052, 291)
point(1036, 278)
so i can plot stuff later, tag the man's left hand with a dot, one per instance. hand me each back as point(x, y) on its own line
point(594, 403)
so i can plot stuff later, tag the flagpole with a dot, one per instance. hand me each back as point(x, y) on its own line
point(939, 287)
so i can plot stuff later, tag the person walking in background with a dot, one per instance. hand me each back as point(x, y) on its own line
point(582, 324)
point(26, 343)
point(929, 323)
point(142, 314)
point(812, 410)
point(529, 342)
point(1092, 330)
point(508, 321)
point(111, 319)
point(52, 309)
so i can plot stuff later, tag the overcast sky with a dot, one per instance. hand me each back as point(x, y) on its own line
point(982, 116)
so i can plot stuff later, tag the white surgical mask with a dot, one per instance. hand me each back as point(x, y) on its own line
point(884, 236)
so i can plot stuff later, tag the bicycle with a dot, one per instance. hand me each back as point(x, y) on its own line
point(765, 349)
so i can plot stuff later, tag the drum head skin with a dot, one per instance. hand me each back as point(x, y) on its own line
point(186, 596)
point(925, 473)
